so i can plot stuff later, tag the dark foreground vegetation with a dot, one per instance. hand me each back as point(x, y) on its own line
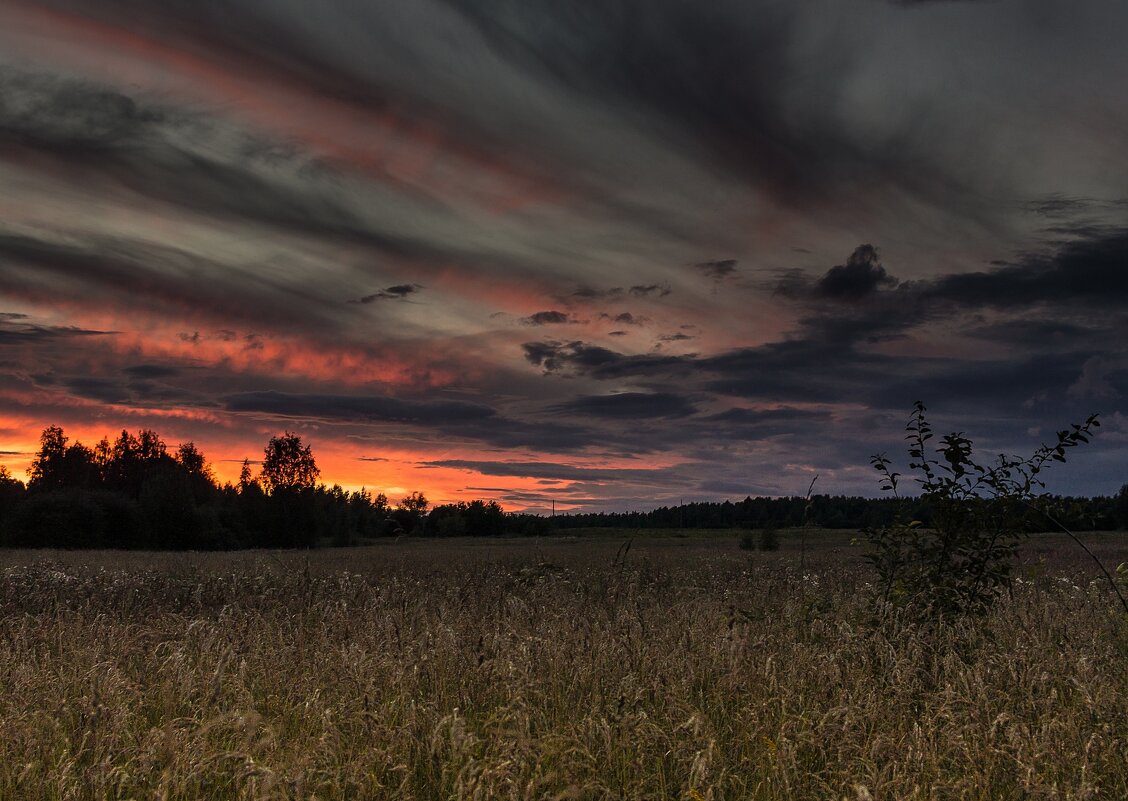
point(680, 670)
point(136, 492)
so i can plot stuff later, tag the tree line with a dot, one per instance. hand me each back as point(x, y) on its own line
point(844, 512)
point(136, 492)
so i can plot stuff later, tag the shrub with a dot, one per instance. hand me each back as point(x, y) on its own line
point(960, 563)
point(769, 539)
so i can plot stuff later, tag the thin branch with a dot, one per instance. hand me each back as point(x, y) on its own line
point(1084, 547)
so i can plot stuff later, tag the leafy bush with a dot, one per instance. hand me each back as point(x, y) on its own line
point(769, 539)
point(960, 563)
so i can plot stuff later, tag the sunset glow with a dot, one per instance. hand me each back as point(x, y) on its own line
point(593, 256)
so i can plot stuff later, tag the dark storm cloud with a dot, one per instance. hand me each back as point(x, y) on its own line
point(1045, 333)
point(454, 420)
point(648, 290)
point(397, 292)
point(103, 390)
point(626, 318)
point(547, 318)
point(1059, 206)
point(860, 275)
point(363, 408)
point(589, 293)
point(16, 329)
point(805, 370)
point(73, 374)
point(724, 268)
point(538, 435)
point(629, 406)
point(149, 371)
point(1057, 326)
point(810, 370)
point(1092, 270)
point(859, 278)
point(595, 360)
point(1085, 274)
point(996, 384)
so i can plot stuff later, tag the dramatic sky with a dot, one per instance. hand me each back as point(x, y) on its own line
point(612, 254)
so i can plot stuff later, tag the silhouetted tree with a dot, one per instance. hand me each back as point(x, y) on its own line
point(169, 510)
point(192, 463)
point(476, 518)
point(131, 459)
point(58, 465)
point(11, 493)
point(410, 511)
point(416, 502)
point(8, 482)
point(288, 465)
point(247, 477)
point(484, 519)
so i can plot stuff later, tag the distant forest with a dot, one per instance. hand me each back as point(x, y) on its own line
point(136, 492)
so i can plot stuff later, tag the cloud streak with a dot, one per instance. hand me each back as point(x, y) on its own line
point(641, 252)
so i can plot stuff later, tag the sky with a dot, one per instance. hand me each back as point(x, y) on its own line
point(605, 255)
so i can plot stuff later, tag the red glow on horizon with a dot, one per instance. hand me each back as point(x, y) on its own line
point(396, 472)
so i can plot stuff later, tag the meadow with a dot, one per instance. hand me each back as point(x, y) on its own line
point(564, 668)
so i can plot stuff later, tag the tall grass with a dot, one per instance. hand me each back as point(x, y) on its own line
point(688, 670)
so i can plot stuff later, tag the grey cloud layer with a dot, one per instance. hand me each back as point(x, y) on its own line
point(855, 306)
point(576, 167)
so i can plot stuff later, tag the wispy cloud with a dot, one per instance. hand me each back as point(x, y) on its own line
point(397, 292)
point(551, 241)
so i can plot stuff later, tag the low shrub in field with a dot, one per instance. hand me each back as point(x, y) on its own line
point(961, 562)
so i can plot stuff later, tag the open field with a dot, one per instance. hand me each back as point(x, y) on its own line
point(564, 668)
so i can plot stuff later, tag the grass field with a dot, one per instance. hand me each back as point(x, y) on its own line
point(684, 668)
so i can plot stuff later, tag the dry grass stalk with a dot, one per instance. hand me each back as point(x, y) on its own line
point(692, 670)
